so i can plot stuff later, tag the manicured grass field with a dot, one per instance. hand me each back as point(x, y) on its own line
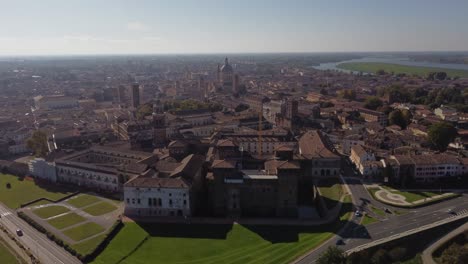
point(373, 67)
point(212, 244)
point(377, 211)
point(41, 202)
point(128, 239)
point(412, 196)
point(367, 220)
point(66, 220)
point(83, 231)
point(100, 208)
point(83, 200)
point(88, 246)
point(7, 255)
point(49, 211)
point(331, 192)
point(25, 191)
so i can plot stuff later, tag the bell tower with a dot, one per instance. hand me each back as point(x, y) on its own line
point(159, 125)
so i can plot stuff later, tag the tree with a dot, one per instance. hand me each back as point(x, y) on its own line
point(407, 115)
point(38, 143)
point(144, 110)
point(381, 72)
point(373, 103)
point(441, 134)
point(396, 118)
point(332, 255)
point(349, 94)
point(241, 107)
point(381, 257)
point(399, 118)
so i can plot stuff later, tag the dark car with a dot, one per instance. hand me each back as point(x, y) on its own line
point(19, 232)
point(340, 242)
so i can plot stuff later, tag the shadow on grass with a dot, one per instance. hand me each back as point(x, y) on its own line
point(271, 233)
point(210, 231)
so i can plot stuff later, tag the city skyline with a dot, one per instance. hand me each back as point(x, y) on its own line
point(190, 27)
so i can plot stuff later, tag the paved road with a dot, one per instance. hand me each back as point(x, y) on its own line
point(355, 235)
point(44, 249)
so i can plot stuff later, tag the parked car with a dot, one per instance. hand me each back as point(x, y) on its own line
point(340, 242)
point(19, 232)
point(358, 213)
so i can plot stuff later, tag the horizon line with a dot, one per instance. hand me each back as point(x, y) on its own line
point(222, 53)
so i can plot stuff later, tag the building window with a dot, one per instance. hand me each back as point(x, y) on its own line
point(128, 200)
point(185, 202)
point(170, 202)
point(138, 200)
point(149, 201)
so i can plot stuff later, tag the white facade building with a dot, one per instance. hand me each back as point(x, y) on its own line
point(54, 102)
point(157, 197)
point(42, 169)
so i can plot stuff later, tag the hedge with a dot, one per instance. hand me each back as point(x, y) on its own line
point(86, 258)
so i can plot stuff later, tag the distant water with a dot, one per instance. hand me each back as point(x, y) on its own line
point(392, 60)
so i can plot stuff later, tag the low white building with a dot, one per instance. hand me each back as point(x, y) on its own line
point(102, 168)
point(88, 175)
point(54, 102)
point(41, 169)
point(163, 194)
point(157, 197)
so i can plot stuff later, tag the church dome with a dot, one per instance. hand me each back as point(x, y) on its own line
point(226, 67)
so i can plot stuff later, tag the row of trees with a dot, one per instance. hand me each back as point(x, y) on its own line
point(454, 96)
point(334, 255)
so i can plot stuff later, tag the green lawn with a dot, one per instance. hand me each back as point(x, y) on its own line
point(41, 202)
point(88, 246)
point(66, 220)
point(373, 67)
point(7, 255)
point(126, 240)
point(367, 220)
point(83, 200)
point(100, 208)
point(212, 244)
point(49, 211)
point(412, 196)
point(83, 231)
point(377, 211)
point(331, 191)
point(25, 191)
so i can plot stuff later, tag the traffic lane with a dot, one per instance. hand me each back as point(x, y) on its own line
point(312, 257)
point(46, 250)
point(400, 224)
point(416, 218)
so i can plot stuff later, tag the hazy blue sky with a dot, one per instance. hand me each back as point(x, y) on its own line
point(206, 26)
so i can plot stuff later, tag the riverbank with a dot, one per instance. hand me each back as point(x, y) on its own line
point(373, 67)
